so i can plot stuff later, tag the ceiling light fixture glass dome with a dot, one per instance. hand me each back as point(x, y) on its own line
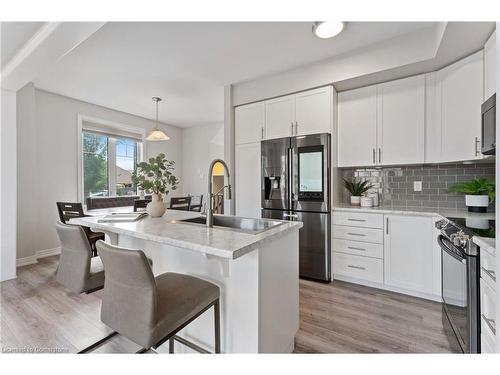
point(156, 134)
point(328, 29)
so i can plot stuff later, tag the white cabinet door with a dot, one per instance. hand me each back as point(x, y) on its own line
point(401, 121)
point(247, 182)
point(313, 111)
point(249, 123)
point(280, 117)
point(460, 87)
point(490, 86)
point(408, 253)
point(357, 127)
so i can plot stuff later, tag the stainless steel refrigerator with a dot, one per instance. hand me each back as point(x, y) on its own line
point(296, 186)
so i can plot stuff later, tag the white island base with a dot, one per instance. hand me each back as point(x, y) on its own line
point(259, 292)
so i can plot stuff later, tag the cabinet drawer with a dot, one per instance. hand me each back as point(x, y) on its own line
point(364, 268)
point(488, 306)
point(358, 219)
point(487, 338)
point(487, 343)
point(358, 234)
point(365, 249)
point(488, 268)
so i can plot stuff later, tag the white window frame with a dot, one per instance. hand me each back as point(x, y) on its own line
point(111, 149)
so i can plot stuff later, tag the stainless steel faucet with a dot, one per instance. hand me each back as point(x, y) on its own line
point(210, 211)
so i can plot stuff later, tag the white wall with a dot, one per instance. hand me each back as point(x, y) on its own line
point(200, 145)
point(8, 186)
point(394, 53)
point(48, 157)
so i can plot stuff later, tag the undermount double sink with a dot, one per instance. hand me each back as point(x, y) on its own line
point(241, 224)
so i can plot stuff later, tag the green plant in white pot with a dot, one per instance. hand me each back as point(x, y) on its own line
point(479, 193)
point(156, 176)
point(357, 188)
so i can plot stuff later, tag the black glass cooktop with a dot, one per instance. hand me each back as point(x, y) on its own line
point(478, 226)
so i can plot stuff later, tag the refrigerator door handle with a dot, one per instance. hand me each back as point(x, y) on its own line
point(295, 216)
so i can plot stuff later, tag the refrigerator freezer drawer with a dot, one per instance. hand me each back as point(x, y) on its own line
point(315, 245)
point(369, 269)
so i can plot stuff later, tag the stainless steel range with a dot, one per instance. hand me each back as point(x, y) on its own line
point(460, 279)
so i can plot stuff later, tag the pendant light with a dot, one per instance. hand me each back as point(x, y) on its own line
point(157, 135)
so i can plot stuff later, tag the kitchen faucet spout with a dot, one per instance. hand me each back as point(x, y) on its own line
point(210, 212)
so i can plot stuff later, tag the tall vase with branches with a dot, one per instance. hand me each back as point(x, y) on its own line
point(156, 176)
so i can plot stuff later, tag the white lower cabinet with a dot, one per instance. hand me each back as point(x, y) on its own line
point(358, 234)
point(366, 249)
point(358, 247)
point(360, 267)
point(247, 180)
point(488, 297)
point(400, 253)
point(408, 253)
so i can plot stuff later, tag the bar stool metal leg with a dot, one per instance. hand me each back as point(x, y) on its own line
point(217, 326)
point(97, 343)
point(171, 345)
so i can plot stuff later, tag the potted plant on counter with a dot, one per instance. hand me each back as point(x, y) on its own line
point(156, 176)
point(479, 193)
point(357, 188)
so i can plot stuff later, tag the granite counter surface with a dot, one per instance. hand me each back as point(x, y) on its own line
point(218, 241)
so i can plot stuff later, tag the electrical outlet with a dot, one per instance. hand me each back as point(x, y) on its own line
point(417, 185)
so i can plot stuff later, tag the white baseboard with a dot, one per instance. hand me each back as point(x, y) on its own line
point(32, 259)
point(48, 252)
point(432, 297)
point(26, 261)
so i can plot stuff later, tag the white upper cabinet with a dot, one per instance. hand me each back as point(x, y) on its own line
point(460, 92)
point(247, 182)
point(409, 261)
point(357, 127)
point(313, 111)
point(280, 117)
point(307, 112)
point(249, 123)
point(490, 86)
point(401, 121)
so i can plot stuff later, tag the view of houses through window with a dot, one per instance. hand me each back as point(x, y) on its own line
point(108, 164)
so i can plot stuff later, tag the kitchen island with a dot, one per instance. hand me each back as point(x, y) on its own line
point(257, 273)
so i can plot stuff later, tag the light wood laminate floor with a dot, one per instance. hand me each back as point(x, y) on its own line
point(37, 312)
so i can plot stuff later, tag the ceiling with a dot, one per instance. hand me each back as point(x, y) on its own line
point(14, 35)
point(123, 65)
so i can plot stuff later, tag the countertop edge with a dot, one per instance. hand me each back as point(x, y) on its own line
point(487, 244)
point(270, 235)
point(445, 212)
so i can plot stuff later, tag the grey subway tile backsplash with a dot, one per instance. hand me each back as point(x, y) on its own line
point(395, 184)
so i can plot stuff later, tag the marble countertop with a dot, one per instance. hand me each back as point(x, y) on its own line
point(217, 241)
point(415, 211)
point(485, 243)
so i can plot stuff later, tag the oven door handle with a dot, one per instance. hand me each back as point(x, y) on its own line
point(450, 252)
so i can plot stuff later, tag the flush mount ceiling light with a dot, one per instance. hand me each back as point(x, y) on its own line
point(157, 134)
point(328, 29)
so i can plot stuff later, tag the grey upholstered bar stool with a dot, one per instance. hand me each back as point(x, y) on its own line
point(150, 310)
point(78, 270)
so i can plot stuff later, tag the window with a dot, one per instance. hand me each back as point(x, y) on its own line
point(109, 157)
point(95, 165)
point(126, 162)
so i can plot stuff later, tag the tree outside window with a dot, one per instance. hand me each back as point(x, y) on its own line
point(95, 165)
